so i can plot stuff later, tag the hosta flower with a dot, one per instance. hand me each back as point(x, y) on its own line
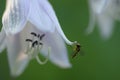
point(104, 12)
point(31, 27)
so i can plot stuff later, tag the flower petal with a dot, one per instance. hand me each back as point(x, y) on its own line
point(58, 53)
point(113, 8)
point(17, 58)
point(98, 5)
point(106, 24)
point(15, 15)
point(92, 21)
point(39, 17)
point(2, 40)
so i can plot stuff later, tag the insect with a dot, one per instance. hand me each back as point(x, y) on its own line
point(36, 42)
point(76, 50)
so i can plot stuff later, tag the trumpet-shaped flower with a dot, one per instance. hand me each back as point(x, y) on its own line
point(31, 27)
point(104, 12)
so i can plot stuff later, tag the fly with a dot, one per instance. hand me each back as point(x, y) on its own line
point(77, 50)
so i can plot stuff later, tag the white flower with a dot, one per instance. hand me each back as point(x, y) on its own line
point(104, 12)
point(30, 27)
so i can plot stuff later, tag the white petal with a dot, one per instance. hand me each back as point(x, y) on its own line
point(106, 24)
point(98, 5)
point(2, 40)
point(15, 15)
point(45, 18)
point(113, 9)
point(58, 53)
point(92, 21)
point(17, 58)
point(39, 17)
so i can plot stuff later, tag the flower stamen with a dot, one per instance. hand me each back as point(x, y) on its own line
point(34, 46)
point(45, 61)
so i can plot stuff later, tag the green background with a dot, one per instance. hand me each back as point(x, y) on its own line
point(100, 62)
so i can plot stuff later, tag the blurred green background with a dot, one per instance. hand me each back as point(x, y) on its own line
point(100, 62)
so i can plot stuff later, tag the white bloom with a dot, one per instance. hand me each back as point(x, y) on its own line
point(104, 12)
point(30, 27)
